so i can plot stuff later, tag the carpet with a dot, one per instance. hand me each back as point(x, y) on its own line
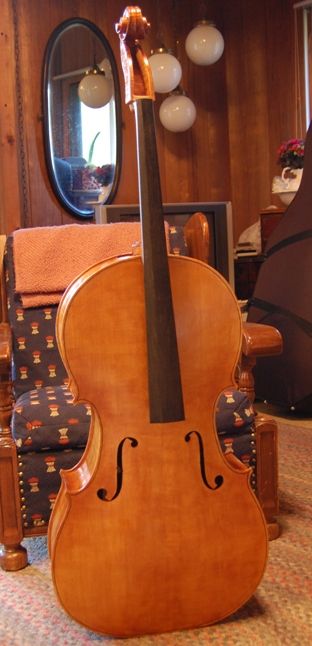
point(279, 613)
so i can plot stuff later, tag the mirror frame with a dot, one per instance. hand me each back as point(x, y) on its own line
point(66, 204)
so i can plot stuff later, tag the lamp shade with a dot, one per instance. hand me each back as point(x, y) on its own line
point(204, 45)
point(177, 113)
point(166, 71)
point(95, 90)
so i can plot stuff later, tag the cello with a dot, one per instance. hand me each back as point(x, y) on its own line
point(154, 529)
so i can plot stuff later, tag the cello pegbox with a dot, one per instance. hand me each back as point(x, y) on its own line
point(131, 28)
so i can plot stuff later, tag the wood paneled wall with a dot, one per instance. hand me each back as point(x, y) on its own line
point(246, 105)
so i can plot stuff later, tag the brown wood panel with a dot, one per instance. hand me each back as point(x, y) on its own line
point(245, 105)
point(247, 108)
point(44, 208)
point(9, 138)
point(261, 99)
point(285, 109)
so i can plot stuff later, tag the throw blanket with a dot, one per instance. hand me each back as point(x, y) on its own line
point(47, 259)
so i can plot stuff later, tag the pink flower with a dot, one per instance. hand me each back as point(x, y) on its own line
point(291, 153)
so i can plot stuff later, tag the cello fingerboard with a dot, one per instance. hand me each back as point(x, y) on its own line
point(165, 389)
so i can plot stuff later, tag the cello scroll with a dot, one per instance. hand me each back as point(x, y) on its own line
point(131, 28)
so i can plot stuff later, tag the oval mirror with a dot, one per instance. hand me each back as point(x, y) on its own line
point(81, 116)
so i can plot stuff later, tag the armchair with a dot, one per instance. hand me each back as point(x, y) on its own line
point(42, 431)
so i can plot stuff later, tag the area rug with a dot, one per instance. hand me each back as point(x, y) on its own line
point(279, 613)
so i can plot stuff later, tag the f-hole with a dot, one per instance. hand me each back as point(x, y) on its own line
point(102, 493)
point(218, 479)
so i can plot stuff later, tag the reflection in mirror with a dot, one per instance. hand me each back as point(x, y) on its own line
point(82, 143)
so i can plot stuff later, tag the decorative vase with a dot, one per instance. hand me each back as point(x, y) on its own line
point(292, 178)
point(286, 185)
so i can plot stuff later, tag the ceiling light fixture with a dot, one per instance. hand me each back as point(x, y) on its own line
point(166, 70)
point(177, 113)
point(95, 90)
point(204, 44)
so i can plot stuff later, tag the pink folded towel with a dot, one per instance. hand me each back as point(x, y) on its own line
point(47, 259)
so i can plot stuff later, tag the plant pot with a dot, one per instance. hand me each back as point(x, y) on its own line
point(286, 185)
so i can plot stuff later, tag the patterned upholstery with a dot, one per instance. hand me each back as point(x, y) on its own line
point(50, 432)
point(46, 420)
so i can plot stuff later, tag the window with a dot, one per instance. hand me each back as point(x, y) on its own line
point(98, 144)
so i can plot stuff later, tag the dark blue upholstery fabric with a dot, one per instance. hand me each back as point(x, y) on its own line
point(40, 481)
point(234, 413)
point(46, 419)
point(36, 359)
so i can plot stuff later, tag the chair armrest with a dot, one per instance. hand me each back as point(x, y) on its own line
point(5, 348)
point(261, 340)
point(258, 341)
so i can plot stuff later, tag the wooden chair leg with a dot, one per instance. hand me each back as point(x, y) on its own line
point(13, 556)
point(266, 427)
point(267, 471)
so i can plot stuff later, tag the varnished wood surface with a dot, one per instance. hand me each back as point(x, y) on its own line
point(172, 553)
point(197, 235)
point(138, 467)
point(260, 340)
point(242, 114)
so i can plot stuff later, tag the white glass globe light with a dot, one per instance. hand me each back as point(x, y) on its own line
point(166, 71)
point(205, 44)
point(177, 113)
point(95, 90)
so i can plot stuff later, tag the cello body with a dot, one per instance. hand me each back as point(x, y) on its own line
point(154, 530)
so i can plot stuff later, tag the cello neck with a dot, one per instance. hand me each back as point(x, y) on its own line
point(164, 380)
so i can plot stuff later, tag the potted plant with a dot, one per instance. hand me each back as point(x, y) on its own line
point(290, 156)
